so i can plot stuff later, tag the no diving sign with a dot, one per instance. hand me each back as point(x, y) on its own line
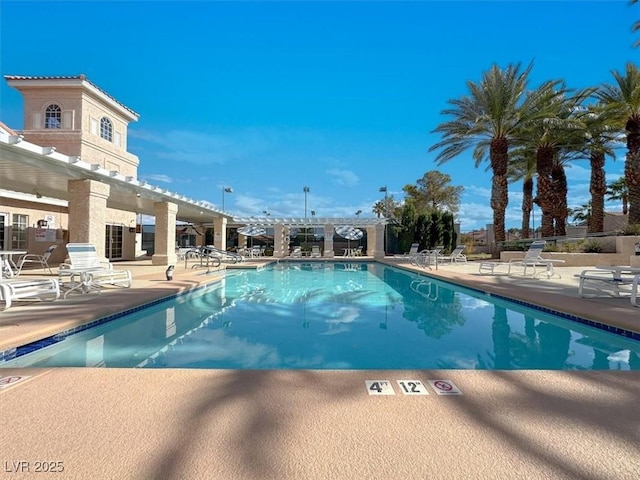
point(10, 381)
point(444, 387)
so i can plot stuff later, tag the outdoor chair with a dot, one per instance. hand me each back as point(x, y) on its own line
point(44, 289)
point(609, 280)
point(456, 255)
point(41, 260)
point(533, 259)
point(412, 252)
point(315, 251)
point(87, 272)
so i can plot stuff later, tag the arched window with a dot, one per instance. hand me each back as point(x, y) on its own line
point(53, 116)
point(106, 129)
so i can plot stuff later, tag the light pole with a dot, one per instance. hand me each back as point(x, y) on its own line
point(384, 189)
point(225, 190)
point(305, 190)
point(358, 213)
point(533, 219)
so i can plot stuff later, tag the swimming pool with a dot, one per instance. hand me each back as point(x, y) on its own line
point(326, 315)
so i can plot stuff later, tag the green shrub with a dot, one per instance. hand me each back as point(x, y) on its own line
point(631, 229)
point(592, 246)
point(515, 246)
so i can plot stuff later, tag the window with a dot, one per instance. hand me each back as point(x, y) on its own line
point(106, 129)
point(53, 116)
point(19, 232)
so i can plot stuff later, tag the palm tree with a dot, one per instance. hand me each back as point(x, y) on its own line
point(553, 133)
point(617, 190)
point(601, 135)
point(485, 120)
point(378, 208)
point(636, 25)
point(522, 166)
point(582, 214)
point(622, 99)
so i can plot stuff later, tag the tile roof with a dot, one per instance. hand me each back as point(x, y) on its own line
point(70, 77)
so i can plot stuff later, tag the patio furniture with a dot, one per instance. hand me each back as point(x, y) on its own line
point(86, 272)
point(533, 259)
point(490, 266)
point(412, 252)
point(42, 260)
point(456, 255)
point(608, 280)
point(8, 268)
point(44, 289)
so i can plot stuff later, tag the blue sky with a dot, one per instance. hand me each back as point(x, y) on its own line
point(269, 97)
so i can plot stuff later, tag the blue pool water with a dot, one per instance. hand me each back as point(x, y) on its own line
point(338, 316)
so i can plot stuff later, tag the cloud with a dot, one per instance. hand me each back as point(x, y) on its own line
point(158, 178)
point(343, 177)
point(243, 145)
point(473, 190)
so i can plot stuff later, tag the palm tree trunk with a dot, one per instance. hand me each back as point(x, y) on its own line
point(560, 191)
point(527, 205)
point(544, 166)
point(597, 188)
point(499, 154)
point(632, 170)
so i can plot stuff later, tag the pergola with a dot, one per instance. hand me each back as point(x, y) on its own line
point(373, 226)
point(88, 189)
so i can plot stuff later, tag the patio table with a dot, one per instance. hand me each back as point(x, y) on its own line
point(9, 268)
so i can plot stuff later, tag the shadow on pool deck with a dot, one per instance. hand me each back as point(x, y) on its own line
point(301, 424)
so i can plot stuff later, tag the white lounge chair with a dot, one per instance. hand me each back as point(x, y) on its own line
point(45, 289)
point(412, 251)
point(533, 259)
point(456, 256)
point(42, 260)
point(296, 252)
point(315, 251)
point(603, 281)
point(87, 272)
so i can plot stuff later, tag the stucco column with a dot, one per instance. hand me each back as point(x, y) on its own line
point(328, 240)
point(220, 233)
point(242, 241)
point(200, 238)
point(375, 241)
point(278, 240)
point(165, 237)
point(88, 213)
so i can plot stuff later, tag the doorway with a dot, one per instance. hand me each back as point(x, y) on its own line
point(114, 242)
point(4, 231)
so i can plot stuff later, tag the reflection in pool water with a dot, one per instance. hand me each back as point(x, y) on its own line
point(339, 316)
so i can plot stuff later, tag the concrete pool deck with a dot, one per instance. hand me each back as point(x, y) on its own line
point(229, 424)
